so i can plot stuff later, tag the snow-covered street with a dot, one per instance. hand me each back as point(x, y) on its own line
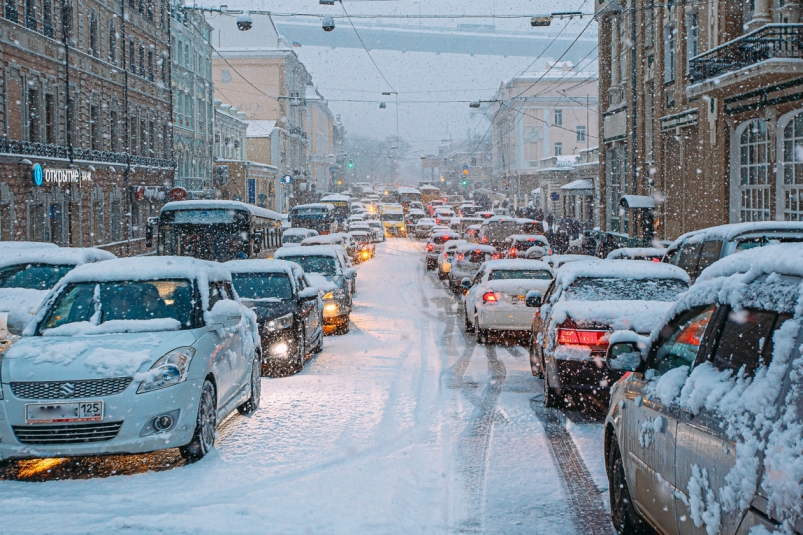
point(404, 425)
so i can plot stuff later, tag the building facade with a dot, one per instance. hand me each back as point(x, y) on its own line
point(193, 95)
point(717, 131)
point(85, 147)
point(541, 115)
point(320, 135)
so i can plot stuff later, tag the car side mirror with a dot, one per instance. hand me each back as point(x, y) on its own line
point(465, 283)
point(350, 273)
point(623, 356)
point(533, 299)
point(225, 311)
point(308, 293)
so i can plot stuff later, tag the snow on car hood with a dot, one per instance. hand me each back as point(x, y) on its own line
point(21, 305)
point(61, 358)
point(639, 316)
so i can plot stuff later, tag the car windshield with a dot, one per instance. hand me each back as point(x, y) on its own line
point(611, 289)
point(325, 265)
point(102, 302)
point(293, 238)
point(752, 243)
point(262, 285)
point(32, 276)
point(524, 274)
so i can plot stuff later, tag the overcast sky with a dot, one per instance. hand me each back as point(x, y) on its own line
point(348, 74)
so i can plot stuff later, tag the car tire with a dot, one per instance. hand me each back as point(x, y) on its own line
point(551, 398)
point(252, 404)
point(624, 517)
point(480, 334)
point(203, 439)
point(469, 325)
point(319, 346)
point(301, 351)
point(535, 357)
point(343, 328)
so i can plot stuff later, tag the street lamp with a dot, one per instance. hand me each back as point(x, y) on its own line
point(545, 19)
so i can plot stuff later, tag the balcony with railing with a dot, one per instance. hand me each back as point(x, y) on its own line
point(764, 54)
point(48, 150)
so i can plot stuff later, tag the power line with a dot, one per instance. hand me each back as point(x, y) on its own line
point(366, 49)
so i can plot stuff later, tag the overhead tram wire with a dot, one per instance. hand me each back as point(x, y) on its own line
point(368, 52)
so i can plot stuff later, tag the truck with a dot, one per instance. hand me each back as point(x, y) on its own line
point(392, 218)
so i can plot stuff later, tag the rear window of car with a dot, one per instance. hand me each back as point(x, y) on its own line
point(293, 238)
point(499, 230)
point(752, 243)
point(522, 274)
point(478, 258)
point(32, 276)
point(612, 289)
point(440, 240)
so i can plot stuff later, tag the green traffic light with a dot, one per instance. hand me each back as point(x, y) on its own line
point(351, 164)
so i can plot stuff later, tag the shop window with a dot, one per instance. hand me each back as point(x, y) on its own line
point(792, 164)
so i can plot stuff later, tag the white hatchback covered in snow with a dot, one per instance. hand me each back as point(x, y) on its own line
point(27, 275)
point(704, 433)
point(130, 356)
point(496, 299)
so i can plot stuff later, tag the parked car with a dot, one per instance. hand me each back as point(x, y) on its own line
point(27, 275)
point(518, 244)
point(697, 250)
point(704, 429)
point(587, 301)
point(326, 261)
point(129, 356)
point(294, 236)
point(423, 226)
point(435, 245)
point(496, 297)
point(653, 254)
point(288, 308)
point(447, 256)
point(468, 259)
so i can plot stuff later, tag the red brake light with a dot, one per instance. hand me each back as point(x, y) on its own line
point(513, 251)
point(496, 256)
point(583, 338)
point(658, 260)
point(460, 257)
point(429, 247)
point(489, 297)
point(485, 239)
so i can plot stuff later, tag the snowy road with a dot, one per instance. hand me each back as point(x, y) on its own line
point(404, 425)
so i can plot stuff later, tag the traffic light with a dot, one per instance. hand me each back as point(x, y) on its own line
point(351, 164)
point(465, 182)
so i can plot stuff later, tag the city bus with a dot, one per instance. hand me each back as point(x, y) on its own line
point(429, 193)
point(341, 203)
point(406, 196)
point(216, 230)
point(317, 216)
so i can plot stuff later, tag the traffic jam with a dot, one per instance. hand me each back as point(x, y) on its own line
point(385, 334)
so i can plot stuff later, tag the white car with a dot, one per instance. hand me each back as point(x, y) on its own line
point(130, 356)
point(26, 276)
point(294, 236)
point(378, 229)
point(497, 296)
point(468, 259)
point(447, 256)
point(423, 226)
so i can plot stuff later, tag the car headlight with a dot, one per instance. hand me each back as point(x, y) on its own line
point(282, 322)
point(337, 293)
point(168, 371)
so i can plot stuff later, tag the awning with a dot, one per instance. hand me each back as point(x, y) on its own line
point(637, 201)
point(584, 184)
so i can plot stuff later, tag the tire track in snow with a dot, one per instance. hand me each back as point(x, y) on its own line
point(588, 513)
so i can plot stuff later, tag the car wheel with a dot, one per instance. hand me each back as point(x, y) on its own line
point(343, 328)
point(480, 334)
point(301, 351)
point(624, 516)
point(536, 361)
point(250, 406)
point(203, 439)
point(551, 398)
point(469, 326)
point(319, 345)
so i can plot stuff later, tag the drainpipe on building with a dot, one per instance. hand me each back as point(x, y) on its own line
point(66, 42)
point(633, 122)
point(127, 196)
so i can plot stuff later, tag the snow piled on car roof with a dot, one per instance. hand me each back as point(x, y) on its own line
point(633, 252)
point(618, 269)
point(69, 256)
point(471, 247)
point(148, 268)
point(298, 231)
point(310, 250)
point(784, 259)
point(728, 232)
point(261, 266)
point(507, 264)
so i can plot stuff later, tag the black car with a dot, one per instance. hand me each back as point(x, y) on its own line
point(289, 311)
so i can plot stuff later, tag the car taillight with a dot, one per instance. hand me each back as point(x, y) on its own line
point(438, 221)
point(658, 260)
point(485, 239)
point(430, 247)
point(496, 256)
point(489, 297)
point(513, 251)
point(577, 337)
point(460, 257)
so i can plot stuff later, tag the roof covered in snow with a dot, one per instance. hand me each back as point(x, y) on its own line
point(298, 231)
point(65, 256)
point(633, 252)
point(729, 232)
point(618, 269)
point(783, 259)
point(312, 250)
point(148, 268)
point(471, 247)
point(512, 264)
point(260, 128)
point(261, 266)
point(221, 205)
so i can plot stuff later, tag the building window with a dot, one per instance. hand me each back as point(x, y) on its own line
point(151, 140)
point(163, 63)
point(114, 131)
point(581, 133)
point(558, 117)
point(754, 175)
point(132, 58)
point(149, 9)
point(11, 10)
point(67, 15)
point(165, 142)
point(50, 119)
point(33, 115)
point(115, 219)
point(47, 17)
point(558, 149)
point(142, 60)
point(616, 168)
point(669, 54)
point(94, 128)
point(649, 104)
point(112, 43)
point(692, 37)
point(150, 65)
point(143, 139)
point(163, 15)
point(30, 14)
point(793, 168)
point(141, 7)
point(93, 35)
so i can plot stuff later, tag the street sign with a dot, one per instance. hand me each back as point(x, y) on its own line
point(287, 179)
point(554, 196)
point(178, 193)
point(36, 174)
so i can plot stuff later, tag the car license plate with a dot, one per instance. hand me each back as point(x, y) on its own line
point(50, 413)
point(518, 298)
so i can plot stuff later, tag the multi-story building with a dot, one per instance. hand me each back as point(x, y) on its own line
point(540, 115)
point(193, 94)
point(259, 73)
point(235, 176)
point(86, 149)
point(701, 120)
point(320, 135)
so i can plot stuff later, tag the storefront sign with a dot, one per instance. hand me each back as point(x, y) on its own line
point(41, 175)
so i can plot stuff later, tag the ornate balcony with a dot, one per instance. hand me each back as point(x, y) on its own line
point(763, 53)
point(46, 150)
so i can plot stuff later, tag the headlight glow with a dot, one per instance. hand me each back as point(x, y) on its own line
point(337, 293)
point(168, 371)
point(282, 322)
